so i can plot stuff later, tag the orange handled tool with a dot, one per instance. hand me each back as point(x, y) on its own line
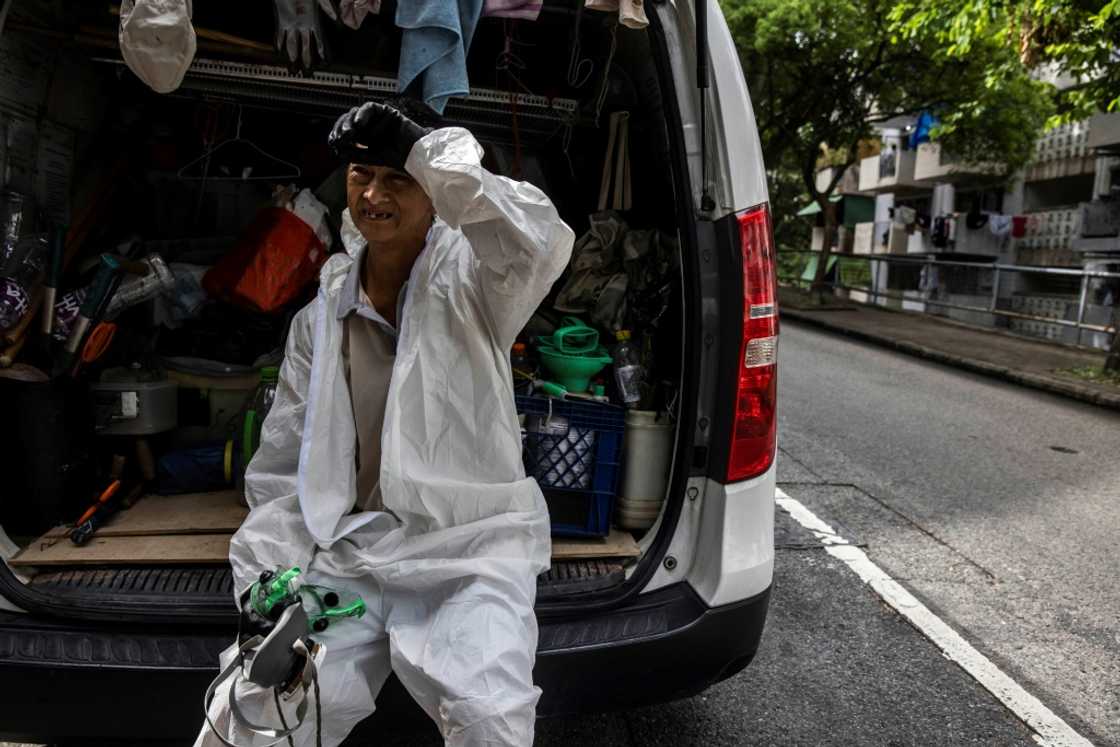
point(108, 493)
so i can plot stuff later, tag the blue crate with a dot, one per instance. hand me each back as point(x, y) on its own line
point(577, 467)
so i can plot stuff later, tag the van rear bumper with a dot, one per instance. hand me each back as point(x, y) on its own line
point(668, 645)
point(63, 682)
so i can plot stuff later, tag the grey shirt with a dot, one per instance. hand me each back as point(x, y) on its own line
point(369, 349)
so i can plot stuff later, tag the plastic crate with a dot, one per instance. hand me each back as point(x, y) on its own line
point(574, 451)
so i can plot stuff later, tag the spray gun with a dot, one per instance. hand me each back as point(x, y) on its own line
point(275, 648)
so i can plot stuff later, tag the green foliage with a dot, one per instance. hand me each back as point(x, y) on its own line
point(787, 196)
point(1078, 37)
point(824, 72)
point(1093, 375)
point(791, 265)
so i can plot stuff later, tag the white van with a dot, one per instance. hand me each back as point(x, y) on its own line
point(120, 647)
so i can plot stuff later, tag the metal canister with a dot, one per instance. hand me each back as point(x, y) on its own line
point(139, 288)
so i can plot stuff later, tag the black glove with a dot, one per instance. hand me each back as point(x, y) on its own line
point(375, 134)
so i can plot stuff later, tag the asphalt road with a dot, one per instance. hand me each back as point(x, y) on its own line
point(995, 504)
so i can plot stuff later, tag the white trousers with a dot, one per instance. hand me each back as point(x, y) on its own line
point(465, 657)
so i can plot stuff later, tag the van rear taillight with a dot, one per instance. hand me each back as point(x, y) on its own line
point(755, 421)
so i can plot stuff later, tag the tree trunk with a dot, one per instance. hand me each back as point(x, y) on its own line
point(828, 208)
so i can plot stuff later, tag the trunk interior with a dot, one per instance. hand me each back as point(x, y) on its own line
point(573, 102)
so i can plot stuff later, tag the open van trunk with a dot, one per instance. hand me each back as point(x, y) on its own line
point(573, 102)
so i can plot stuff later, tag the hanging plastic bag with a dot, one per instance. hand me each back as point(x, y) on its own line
point(276, 258)
point(157, 41)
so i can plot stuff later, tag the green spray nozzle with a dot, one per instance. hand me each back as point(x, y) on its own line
point(324, 606)
point(272, 590)
point(357, 608)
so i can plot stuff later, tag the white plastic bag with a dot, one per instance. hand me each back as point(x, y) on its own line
point(157, 41)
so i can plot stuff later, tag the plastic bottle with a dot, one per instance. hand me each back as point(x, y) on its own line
point(523, 368)
point(259, 405)
point(519, 358)
point(628, 371)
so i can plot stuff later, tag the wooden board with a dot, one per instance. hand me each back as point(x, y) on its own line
point(179, 549)
point(151, 550)
point(618, 544)
point(196, 513)
point(196, 528)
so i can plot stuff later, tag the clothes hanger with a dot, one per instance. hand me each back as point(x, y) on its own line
point(206, 158)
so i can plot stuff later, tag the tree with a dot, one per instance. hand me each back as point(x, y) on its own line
point(1079, 37)
point(825, 72)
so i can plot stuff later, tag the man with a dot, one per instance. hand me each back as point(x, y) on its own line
point(390, 464)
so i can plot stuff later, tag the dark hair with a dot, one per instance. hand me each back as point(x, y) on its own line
point(416, 110)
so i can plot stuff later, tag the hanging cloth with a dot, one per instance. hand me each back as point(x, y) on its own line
point(157, 41)
point(975, 220)
point(631, 13)
point(436, 35)
point(999, 225)
point(616, 165)
point(525, 10)
point(352, 12)
point(939, 235)
point(925, 124)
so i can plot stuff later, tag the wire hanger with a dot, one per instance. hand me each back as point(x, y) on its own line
point(247, 175)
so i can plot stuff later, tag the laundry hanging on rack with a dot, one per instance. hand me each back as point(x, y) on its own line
point(299, 35)
point(1018, 226)
point(157, 41)
point(350, 12)
point(975, 220)
point(525, 10)
point(999, 225)
point(436, 35)
point(922, 128)
point(939, 234)
point(631, 13)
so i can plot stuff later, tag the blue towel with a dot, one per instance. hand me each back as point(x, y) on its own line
point(434, 43)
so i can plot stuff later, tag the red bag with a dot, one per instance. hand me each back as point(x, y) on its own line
point(277, 256)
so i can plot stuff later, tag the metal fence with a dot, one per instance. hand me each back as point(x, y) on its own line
point(986, 281)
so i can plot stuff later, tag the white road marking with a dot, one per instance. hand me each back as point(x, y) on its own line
point(1051, 730)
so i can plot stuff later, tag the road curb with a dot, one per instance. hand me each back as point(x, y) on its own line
point(1035, 381)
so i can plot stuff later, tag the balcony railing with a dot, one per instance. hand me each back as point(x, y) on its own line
point(890, 171)
point(987, 281)
point(932, 164)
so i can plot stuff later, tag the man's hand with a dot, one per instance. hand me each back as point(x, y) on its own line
point(375, 134)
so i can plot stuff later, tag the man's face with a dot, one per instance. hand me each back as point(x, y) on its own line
point(387, 204)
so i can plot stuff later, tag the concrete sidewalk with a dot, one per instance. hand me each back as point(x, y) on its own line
point(989, 352)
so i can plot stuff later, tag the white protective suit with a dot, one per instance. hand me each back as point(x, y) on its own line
point(449, 576)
